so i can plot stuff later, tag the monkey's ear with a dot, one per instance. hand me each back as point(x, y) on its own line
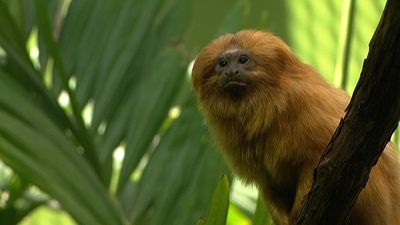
point(203, 65)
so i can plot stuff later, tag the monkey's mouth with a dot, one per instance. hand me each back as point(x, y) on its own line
point(235, 86)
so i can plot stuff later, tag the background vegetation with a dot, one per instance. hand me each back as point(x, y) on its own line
point(98, 124)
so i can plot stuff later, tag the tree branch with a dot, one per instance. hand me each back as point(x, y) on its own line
point(372, 116)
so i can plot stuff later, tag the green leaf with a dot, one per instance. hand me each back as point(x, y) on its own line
point(10, 34)
point(82, 133)
point(19, 64)
point(261, 216)
point(196, 167)
point(118, 57)
point(17, 187)
point(86, 46)
point(57, 176)
point(49, 160)
point(153, 98)
point(220, 203)
point(21, 12)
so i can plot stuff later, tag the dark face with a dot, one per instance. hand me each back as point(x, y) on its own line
point(233, 68)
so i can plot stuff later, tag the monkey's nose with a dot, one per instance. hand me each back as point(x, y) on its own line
point(231, 73)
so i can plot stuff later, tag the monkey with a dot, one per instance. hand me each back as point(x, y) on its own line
point(272, 117)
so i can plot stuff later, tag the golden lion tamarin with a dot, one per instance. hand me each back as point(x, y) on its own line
point(273, 116)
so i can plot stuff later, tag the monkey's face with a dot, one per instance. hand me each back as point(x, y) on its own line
point(241, 73)
point(233, 69)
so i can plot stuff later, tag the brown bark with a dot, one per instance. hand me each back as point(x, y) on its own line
point(372, 116)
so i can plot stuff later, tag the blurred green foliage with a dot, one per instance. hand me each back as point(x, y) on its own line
point(97, 116)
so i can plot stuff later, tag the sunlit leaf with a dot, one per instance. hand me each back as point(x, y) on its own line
point(195, 165)
point(261, 216)
point(48, 159)
point(220, 203)
point(154, 96)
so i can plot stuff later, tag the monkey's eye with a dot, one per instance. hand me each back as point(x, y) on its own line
point(222, 62)
point(243, 59)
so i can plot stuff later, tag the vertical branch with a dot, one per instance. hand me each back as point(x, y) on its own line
point(373, 115)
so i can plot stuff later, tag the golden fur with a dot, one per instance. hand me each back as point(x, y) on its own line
point(274, 135)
